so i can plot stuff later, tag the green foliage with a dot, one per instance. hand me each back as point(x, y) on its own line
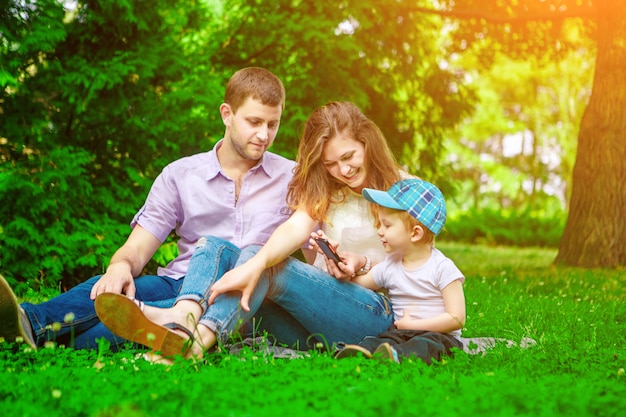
point(548, 28)
point(50, 218)
point(505, 227)
point(95, 100)
point(577, 317)
point(373, 53)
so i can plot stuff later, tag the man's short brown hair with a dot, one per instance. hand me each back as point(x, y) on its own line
point(257, 83)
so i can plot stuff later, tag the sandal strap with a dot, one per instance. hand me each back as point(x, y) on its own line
point(139, 303)
point(176, 326)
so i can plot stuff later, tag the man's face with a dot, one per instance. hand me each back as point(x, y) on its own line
point(253, 128)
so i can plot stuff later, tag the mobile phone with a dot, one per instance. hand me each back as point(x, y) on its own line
point(328, 250)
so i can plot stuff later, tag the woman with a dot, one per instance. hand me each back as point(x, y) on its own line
point(340, 153)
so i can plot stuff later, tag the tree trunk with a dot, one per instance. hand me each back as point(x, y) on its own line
point(595, 233)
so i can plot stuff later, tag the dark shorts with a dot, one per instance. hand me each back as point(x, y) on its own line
point(426, 345)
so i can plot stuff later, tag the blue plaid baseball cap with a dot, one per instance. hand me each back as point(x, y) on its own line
point(420, 198)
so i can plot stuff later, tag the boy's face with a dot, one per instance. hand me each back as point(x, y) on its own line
point(253, 128)
point(394, 234)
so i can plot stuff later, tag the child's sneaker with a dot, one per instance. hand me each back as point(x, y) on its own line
point(349, 351)
point(385, 352)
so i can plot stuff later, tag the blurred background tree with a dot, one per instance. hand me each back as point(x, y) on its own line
point(552, 30)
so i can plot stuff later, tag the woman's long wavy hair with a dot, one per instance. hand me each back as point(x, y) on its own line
point(312, 186)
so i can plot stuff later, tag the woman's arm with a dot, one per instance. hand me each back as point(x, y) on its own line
point(287, 238)
point(350, 262)
point(452, 319)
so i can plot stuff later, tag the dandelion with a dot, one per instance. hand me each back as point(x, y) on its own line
point(56, 393)
point(620, 372)
point(56, 326)
point(151, 337)
point(69, 317)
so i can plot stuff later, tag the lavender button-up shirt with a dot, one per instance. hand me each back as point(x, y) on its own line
point(194, 197)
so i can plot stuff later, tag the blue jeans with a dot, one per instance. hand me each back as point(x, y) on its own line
point(303, 299)
point(211, 259)
point(85, 328)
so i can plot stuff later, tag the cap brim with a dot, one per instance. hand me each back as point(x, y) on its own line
point(381, 198)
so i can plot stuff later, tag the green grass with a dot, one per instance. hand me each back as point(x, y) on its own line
point(577, 367)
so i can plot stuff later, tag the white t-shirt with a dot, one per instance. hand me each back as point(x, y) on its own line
point(418, 291)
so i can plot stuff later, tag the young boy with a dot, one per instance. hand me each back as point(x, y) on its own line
point(425, 287)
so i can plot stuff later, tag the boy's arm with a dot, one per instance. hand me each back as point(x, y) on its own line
point(452, 319)
point(366, 281)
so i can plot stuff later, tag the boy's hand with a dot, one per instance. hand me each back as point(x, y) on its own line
point(406, 322)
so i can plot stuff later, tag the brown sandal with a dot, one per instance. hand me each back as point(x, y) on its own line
point(124, 317)
point(14, 324)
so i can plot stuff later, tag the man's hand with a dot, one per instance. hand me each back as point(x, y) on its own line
point(126, 263)
point(242, 279)
point(117, 279)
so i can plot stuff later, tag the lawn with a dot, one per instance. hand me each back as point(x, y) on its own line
point(577, 317)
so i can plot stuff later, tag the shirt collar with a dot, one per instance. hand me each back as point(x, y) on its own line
point(265, 164)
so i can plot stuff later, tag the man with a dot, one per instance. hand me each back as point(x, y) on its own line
point(236, 192)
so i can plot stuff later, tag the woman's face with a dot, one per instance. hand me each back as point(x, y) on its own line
point(344, 159)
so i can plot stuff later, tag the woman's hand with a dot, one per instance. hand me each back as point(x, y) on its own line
point(320, 235)
point(243, 278)
point(343, 270)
